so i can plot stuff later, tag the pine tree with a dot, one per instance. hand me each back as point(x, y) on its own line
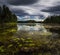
point(6, 15)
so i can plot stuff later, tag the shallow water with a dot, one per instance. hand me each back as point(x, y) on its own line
point(30, 39)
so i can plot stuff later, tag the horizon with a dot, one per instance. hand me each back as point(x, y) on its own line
point(30, 17)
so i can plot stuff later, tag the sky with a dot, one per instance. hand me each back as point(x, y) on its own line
point(33, 9)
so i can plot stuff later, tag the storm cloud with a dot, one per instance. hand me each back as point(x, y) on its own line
point(19, 12)
point(52, 10)
point(21, 2)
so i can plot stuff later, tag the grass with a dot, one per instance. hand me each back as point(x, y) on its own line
point(27, 44)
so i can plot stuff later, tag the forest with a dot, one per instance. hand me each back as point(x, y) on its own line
point(52, 19)
point(6, 16)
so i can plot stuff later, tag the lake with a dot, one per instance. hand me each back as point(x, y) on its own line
point(30, 39)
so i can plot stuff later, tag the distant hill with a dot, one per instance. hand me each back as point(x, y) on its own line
point(29, 21)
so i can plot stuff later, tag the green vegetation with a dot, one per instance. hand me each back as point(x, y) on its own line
point(52, 19)
point(23, 43)
point(30, 46)
point(6, 16)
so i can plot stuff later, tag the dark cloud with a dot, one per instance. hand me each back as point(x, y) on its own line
point(52, 9)
point(19, 12)
point(21, 2)
point(2, 2)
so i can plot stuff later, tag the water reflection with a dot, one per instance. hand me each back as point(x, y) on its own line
point(33, 28)
point(27, 27)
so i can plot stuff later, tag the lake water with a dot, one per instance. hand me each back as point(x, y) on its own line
point(30, 39)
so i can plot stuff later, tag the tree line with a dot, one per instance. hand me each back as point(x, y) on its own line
point(52, 19)
point(6, 16)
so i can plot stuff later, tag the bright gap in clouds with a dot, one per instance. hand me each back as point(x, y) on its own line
point(25, 18)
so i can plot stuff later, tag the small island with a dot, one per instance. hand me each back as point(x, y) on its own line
point(30, 21)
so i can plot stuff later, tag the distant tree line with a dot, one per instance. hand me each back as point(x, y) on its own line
point(52, 19)
point(29, 21)
point(6, 15)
